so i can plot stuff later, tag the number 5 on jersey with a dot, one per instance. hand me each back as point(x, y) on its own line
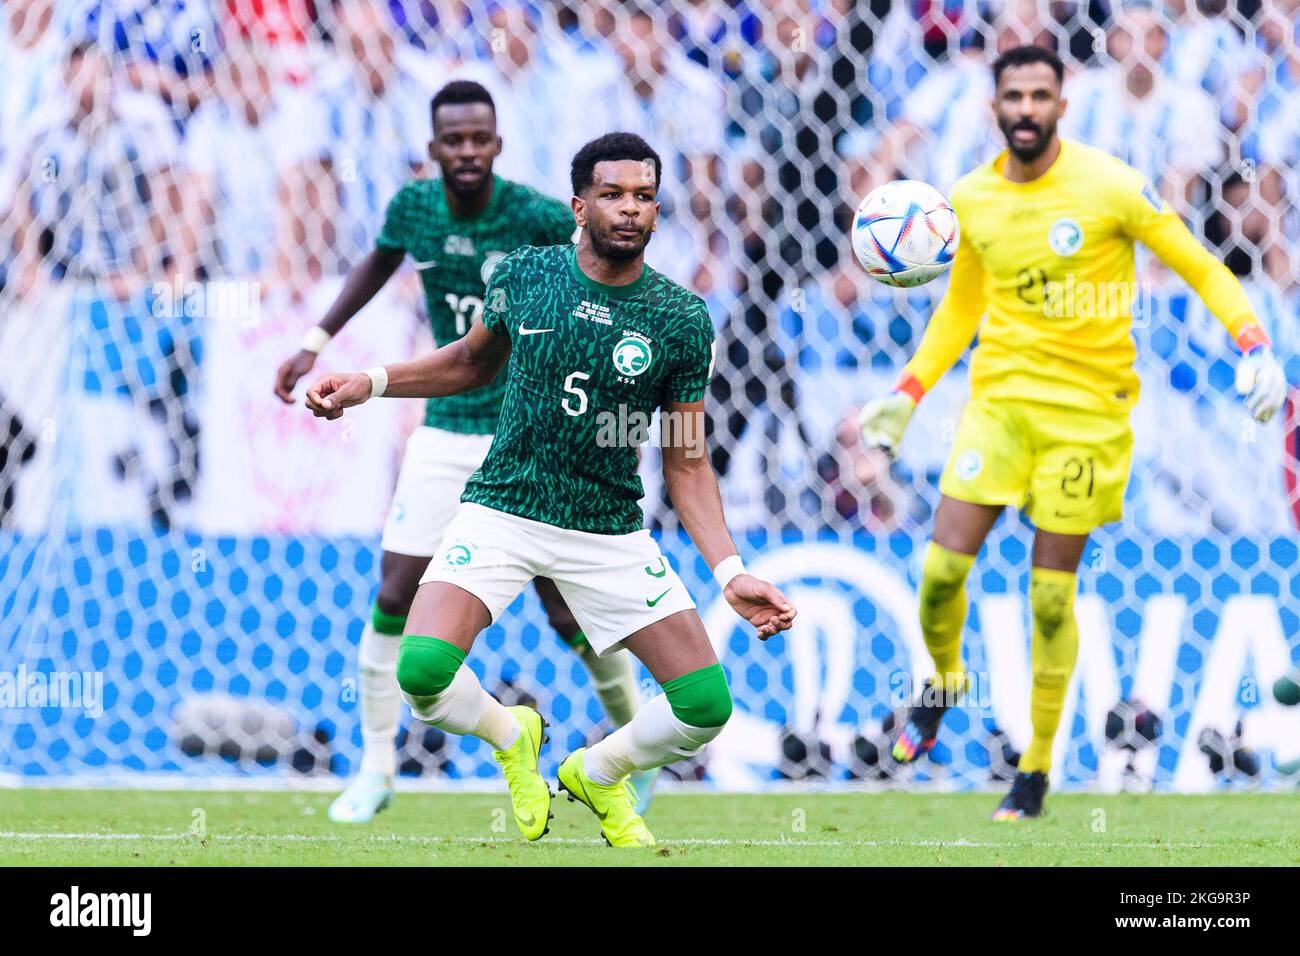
point(571, 386)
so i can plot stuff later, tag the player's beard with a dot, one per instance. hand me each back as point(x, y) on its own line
point(1027, 154)
point(603, 245)
point(469, 193)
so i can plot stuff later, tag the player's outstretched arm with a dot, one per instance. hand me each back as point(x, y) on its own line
point(949, 332)
point(362, 284)
point(468, 363)
point(1260, 378)
point(693, 490)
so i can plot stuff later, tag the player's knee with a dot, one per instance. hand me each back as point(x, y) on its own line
point(426, 666)
point(1049, 617)
point(386, 622)
point(394, 598)
point(1051, 598)
point(943, 575)
point(701, 698)
point(716, 711)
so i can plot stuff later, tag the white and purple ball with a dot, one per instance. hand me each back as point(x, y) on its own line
point(905, 233)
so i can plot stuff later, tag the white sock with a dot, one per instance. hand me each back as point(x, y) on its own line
point(380, 700)
point(614, 677)
point(466, 708)
point(653, 738)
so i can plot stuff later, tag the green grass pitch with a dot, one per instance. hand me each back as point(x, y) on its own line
point(143, 827)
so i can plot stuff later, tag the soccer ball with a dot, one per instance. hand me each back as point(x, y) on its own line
point(904, 233)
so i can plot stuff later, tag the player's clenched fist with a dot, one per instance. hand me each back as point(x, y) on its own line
point(335, 392)
point(761, 604)
point(290, 371)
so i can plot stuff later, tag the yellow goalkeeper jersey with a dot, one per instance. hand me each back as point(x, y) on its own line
point(1049, 265)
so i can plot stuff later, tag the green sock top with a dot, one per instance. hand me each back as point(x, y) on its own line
point(427, 665)
point(700, 698)
point(390, 624)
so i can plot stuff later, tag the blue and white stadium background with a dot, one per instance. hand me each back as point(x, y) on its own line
point(185, 563)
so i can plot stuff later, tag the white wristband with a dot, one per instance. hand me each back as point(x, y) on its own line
point(315, 340)
point(727, 569)
point(378, 380)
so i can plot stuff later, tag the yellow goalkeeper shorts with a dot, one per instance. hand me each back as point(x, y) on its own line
point(1065, 468)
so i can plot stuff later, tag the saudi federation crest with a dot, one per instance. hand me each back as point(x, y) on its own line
point(1065, 237)
point(632, 355)
point(457, 556)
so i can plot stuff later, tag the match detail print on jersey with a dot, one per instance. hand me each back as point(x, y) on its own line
point(612, 355)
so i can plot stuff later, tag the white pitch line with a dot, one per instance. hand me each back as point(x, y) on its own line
point(719, 841)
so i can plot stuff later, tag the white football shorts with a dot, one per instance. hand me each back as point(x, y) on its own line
point(435, 467)
point(615, 584)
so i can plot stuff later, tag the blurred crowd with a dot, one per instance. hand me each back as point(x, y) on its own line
point(261, 139)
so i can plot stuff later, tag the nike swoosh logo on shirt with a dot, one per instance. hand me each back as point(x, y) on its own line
point(650, 603)
point(524, 331)
point(424, 265)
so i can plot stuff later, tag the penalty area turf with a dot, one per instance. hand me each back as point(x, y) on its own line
point(78, 827)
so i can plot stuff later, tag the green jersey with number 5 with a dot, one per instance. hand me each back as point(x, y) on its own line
point(589, 364)
point(454, 258)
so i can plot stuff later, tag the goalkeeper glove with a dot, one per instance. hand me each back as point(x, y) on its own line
point(1263, 383)
point(883, 421)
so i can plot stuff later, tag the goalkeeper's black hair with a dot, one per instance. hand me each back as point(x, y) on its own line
point(611, 147)
point(1027, 56)
point(459, 92)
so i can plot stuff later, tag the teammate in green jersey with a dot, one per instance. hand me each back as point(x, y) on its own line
point(456, 229)
point(595, 338)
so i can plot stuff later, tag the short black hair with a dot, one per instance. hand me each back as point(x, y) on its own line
point(458, 92)
point(1026, 56)
point(611, 147)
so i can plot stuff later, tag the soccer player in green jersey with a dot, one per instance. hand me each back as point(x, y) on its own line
point(455, 229)
point(594, 338)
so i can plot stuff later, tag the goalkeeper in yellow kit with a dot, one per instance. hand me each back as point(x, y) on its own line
point(1047, 256)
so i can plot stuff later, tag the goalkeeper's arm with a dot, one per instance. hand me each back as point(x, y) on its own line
point(955, 321)
point(470, 362)
point(1259, 375)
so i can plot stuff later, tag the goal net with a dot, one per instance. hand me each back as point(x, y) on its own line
point(186, 563)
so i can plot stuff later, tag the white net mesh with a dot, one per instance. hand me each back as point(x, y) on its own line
point(184, 184)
